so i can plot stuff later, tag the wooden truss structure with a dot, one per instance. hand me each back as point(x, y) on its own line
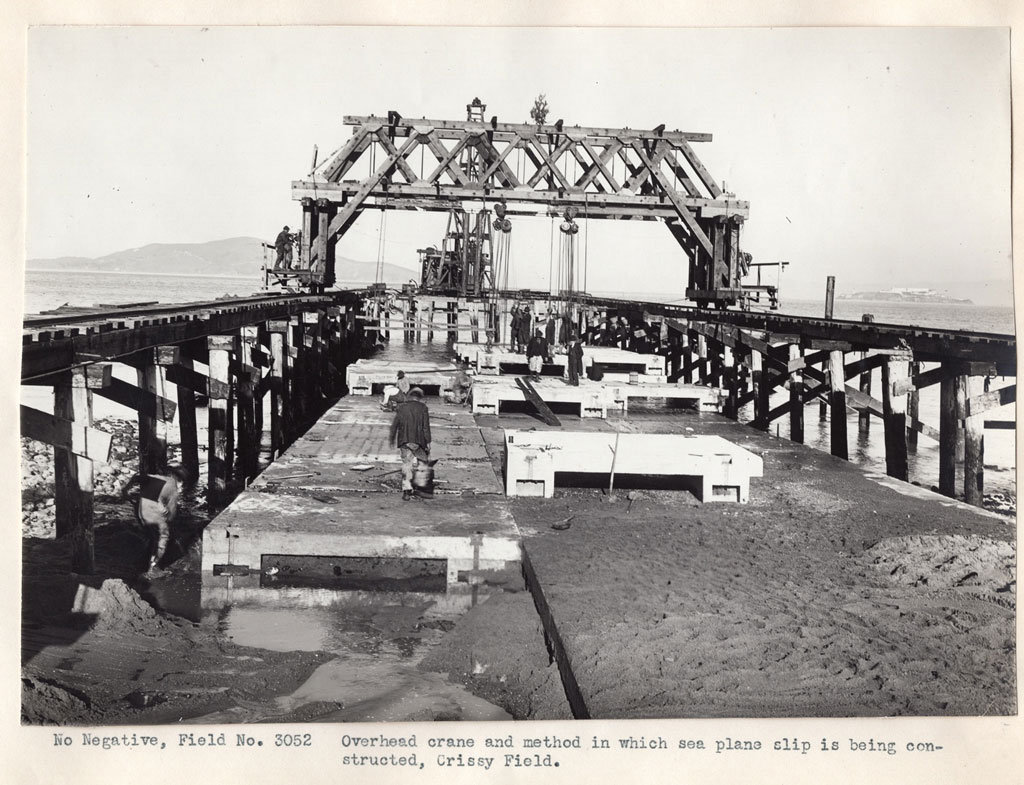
point(614, 173)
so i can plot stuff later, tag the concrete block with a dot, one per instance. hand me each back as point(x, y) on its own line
point(533, 457)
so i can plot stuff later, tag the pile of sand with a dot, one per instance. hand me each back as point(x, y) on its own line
point(114, 607)
point(947, 561)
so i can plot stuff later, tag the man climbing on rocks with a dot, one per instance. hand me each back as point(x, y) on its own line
point(410, 432)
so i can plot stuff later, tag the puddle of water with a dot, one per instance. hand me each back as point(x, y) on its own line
point(378, 639)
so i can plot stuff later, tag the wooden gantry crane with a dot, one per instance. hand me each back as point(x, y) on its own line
point(609, 173)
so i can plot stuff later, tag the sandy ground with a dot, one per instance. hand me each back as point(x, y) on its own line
point(497, 650)
point(827, 595)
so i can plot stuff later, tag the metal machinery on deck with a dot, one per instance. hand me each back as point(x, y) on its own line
point(522, 169)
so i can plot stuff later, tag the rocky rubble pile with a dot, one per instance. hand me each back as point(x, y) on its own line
point(37, 475)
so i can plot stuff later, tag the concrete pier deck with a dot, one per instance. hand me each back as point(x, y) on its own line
point(336, 492)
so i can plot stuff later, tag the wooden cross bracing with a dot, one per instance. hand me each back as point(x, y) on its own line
point(533, 170)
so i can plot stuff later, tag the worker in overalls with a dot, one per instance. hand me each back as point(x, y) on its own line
point(410, 432)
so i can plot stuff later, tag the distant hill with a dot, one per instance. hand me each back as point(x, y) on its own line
point(236, 256)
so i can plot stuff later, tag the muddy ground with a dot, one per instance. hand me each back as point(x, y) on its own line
point(95, 652)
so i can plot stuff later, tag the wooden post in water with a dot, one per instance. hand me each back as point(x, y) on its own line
point(73, 474)
point(299, 376)
point(152, 429)
point(761, 398)
point(913, 409)
point(837, 403)
point(830, 299)
point(894, 409)
point(703, 367)
point(263, 348)
point(796, 398)
point(222, 348)
point(729, 379)
point(279, 395)
point(246, 423)
point(188, 431)
point(960, 390)
point(248, 377)
point(974, 448)
point(864, 417)
point(949, 427)
point(690, 355)
point(683, 358)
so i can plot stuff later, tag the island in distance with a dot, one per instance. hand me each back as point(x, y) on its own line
point(906, 294)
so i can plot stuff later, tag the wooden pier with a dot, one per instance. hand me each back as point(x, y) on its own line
point(269, 366)
point(266, 366)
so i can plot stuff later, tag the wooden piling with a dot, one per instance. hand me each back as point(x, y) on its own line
point(299, 376)
point(894, 412)
point(152, 429)
point(262, 346)
point(830, 300)
point(703, 366)
point(837, 404)
point(185, 397)
point(73, 474)
point(222, 348)
point(960, 389)
point(691, 355)
point(279, 394)
point(949, 426)
point(796, 398)
point(864, 417)
point(730, 381)
point(974, 449)
point(913, 409)
point(247, 451)
point(761, 391)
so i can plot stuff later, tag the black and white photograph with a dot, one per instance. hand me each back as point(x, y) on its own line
point(410, 384)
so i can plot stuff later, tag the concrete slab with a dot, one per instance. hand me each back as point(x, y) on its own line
point(613, 360)
point(533, 458)
point(489, 392)
point(366, 376)
point(705, 399)
point(470, 532)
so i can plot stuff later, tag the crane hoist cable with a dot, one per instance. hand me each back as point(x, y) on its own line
point(381, 232)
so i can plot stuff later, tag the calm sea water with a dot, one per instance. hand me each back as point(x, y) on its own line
point(47, 290)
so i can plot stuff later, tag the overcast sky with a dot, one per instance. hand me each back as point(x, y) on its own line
point(881, 156)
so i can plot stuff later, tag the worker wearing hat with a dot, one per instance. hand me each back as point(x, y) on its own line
point(283, 244)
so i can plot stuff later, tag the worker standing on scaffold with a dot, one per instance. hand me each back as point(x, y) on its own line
point(283, 244)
